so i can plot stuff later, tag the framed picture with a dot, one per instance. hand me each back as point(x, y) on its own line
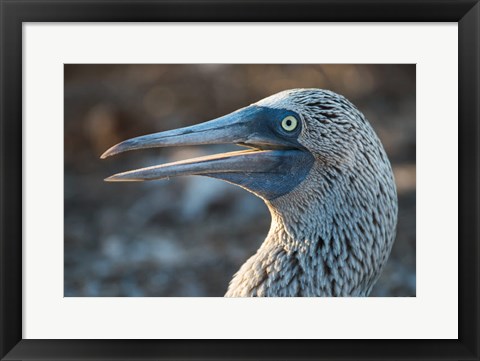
point(335, 108)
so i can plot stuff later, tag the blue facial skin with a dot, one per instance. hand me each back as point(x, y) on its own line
point(291, 171)
point(292, 160)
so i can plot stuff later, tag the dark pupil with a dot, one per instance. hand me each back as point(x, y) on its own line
point(289, 122)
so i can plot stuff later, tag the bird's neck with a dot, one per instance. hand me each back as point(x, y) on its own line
point(309, 251)
point(286, 264)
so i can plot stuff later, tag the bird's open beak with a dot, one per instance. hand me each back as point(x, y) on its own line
point(269, 154)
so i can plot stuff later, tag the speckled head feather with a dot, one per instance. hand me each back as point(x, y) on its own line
point(332, 234)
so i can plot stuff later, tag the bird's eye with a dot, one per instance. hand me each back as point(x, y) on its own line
point(289, 123)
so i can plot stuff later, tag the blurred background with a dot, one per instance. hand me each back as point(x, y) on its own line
point(189, 235)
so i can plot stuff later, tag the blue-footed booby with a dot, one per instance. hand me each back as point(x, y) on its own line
point(325, 177)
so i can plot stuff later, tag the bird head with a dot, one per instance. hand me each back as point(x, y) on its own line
point(322, 171)
point(289, 136)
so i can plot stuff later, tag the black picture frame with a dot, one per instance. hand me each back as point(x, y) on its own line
point(15, 12)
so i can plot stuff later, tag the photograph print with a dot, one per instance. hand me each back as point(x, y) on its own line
point(239, 180)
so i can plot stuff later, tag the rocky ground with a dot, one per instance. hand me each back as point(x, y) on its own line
point(188, 236)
